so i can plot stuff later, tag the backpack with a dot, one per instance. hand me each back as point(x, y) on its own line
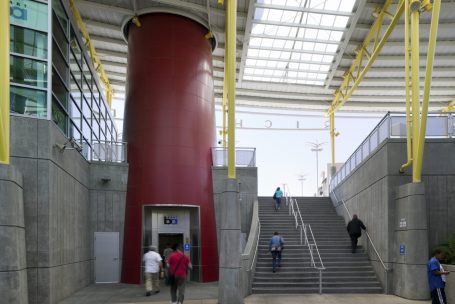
point(274, 195)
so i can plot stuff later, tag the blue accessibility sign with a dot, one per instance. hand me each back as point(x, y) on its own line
point(186, 247)
point(402, 249)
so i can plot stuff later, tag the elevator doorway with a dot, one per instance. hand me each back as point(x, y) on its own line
point(170, 239)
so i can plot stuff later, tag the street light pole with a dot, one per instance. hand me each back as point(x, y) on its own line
point(316, 147)
point(301, 179)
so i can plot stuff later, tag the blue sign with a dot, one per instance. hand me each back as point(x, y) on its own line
point(186, 247)
point(402, 249)
point(171, 220)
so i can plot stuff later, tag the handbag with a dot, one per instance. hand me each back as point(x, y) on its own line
point(170, 278)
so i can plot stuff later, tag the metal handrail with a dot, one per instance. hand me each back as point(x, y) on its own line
point(387, 269)
point(303, 234)
point(257, 246)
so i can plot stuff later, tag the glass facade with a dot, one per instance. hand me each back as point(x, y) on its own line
point(29, 56)
point(76, 99)
point(78, 106)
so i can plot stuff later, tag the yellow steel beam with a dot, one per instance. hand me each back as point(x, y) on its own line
point(417, 168)
point(231, 26)
point(408, 97)
point(224, 131)
point(4, 82)
point(95, 59)
point(332, 136)
point(450, 107)
point(350, 84)
point(415, 70)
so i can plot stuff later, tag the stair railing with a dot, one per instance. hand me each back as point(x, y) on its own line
point(306, 235)
point(386, 269)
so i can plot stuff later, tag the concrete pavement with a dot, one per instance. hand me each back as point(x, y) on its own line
point(207, 293)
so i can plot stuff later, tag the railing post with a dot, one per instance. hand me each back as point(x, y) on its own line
point(301, 233)
point(386, 282)
point(320, 281)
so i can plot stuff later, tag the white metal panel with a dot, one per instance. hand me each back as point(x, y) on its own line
point(107, 257)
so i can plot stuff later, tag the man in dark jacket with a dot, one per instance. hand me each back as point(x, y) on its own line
point(354, 230)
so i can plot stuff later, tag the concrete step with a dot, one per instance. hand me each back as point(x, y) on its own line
point(309, 290)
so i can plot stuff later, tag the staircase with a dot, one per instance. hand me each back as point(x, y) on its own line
point(345, 272)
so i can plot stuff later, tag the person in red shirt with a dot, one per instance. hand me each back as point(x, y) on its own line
point(178, 264)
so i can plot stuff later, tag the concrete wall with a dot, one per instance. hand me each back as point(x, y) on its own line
point(107, 202)
point(248, 189)
point(59, 217)
point(13, 272)
point(249, 255)
point(56, 208)
point(369, 191)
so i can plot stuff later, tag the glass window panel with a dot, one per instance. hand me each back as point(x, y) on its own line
point(87, 91)
point(29, 14)
point(274, 15)
point(347, 5)
point(59, 36)
point(28, 101)
point(76, 115)
point(259, 14)
point(278, 43)
point(255, 41)
point(60, 12)
point(59, 89)
point(311, 33)
point(95, 128)
point(290, 16)
point(87, 110)
point(271, 30)
point(28, 42)
point(258, 28)
point(437, 126)
point(332, 5)
point(331, 48)
point(314, 19)
point(86, 150)
point(96, 94)
point(283, 31)
point(336, 35)
point(341, 21)
point(253, 53)
point(320, 47)
point(76, 134)
point(59, 116)
point(60, 63)
point(86, 130)
point(27, 71)
point(87, 73)
point(75, 48)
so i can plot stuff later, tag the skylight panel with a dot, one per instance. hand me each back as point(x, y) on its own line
point(327, 20)
point(314, 19)
point(341, 21)
point(301, 46)
point(274, 15)
point(332, 5)
point(347, 5)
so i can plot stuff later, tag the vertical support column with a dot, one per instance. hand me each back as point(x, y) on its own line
point(332, 140)
point(231, 26)
point(4, 82)
point(415, 69)
point(13, 268)
point(411, 250)
point(229, 291)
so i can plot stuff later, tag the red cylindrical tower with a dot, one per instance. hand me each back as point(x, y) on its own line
point(169, 123)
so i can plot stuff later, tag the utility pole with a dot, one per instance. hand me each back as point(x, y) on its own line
point(316, 147)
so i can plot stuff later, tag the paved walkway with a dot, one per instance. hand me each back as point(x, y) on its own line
point(207, 293)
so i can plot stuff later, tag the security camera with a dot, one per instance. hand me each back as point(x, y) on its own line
point(61, 147)
point(75, 144)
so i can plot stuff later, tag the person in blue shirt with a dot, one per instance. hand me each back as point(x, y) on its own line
point(436, 278)
point(277, 197)
point(275, 247)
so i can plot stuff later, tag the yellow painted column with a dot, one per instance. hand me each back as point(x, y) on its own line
point(231, 25)
point(4, 82)
point(407, 79)
point(415, 69)
point(426, 88)
point(332, 135)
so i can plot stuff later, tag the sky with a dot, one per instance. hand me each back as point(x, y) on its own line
point(283, 152)
point(283, 155)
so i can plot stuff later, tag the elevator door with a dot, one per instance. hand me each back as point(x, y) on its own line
point(169, 239)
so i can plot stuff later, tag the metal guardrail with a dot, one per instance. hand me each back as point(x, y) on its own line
point(244, 157)
point(386, 269)
point(392, 125)
point(107, 151)
point(306, 234)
